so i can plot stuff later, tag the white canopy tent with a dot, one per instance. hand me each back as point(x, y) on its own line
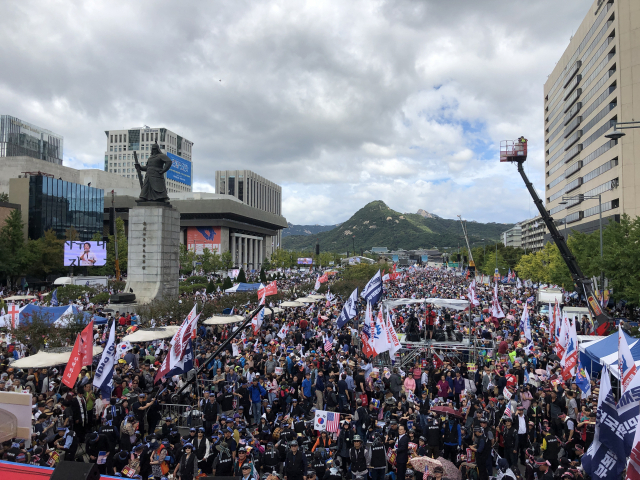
point(223, 319)
point(306, 300)
point(44, 359)
point(17, 298)
point(151, 334)
point(316, 297)
point(455, 304)
point(292, 304)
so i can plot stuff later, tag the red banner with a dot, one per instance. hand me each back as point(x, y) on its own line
point(86, 344)
point(270, 289)
point(74, 366)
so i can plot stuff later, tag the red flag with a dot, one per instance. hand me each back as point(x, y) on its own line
point(270, 289)
point(86, 344)
point(74, 366)
point(324, 278)
point(437, 361)
point(433, 292)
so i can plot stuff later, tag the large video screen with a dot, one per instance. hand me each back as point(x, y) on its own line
point(305, 261)
point(85, 254)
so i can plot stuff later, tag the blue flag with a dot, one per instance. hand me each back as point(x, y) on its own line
point(54, 298)
point(373, 290)
point(184, 365)
point(582, 380)
point(629, 413)
point(607, 420)
point(600, 463)
point(350, 309)
point(104, 371)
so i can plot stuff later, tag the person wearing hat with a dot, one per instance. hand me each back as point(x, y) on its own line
point(521, 424)
point(550, 447)
point(202, 449)
point(295, 464)
point(510, 440)
point(256, 392)
point(359, 459)
point(246, 472)
point(482, 447)
point(242, 459)
point(96, 443)
point(187, 468)
point(436, 473)
point(223, 462)
point(544, 465)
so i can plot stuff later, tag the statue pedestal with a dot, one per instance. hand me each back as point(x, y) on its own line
point(154, 256)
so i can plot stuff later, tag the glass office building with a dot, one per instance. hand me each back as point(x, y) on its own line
point(59, 205)
point(20, 138)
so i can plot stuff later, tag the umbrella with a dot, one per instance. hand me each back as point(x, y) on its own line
point(151, 334)
point(267, 310)
point(316, 297)
point(447, 411)
point(223, 319)
point(450, 470)
point(553, 357)
point(49, 359)
point(306, 300)
point(292, 304)
point(420, 464)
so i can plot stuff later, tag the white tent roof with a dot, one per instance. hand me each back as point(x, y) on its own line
point(292, 304)
point(19, 297)
point(306, 300)
point(223, 319)
point(456, 304)
point(316, 297)
point(267, 310)
point(48, 359)
point(151, 334)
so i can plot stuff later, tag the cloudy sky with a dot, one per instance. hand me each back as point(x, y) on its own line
point(340, 102)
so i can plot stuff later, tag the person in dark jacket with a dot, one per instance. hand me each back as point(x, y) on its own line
point(187, 469)
point(482, 448)
point(510, 436)
point(295, 464)
point(402, 453)
point(452, 439)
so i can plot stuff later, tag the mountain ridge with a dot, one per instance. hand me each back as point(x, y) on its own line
point(377, 225)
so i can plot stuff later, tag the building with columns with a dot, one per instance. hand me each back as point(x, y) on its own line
point(217, 222)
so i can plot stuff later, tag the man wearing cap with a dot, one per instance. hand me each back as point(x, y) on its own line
point(482, 447)
point(242, 460)
point(246, 472)
point(256, 392)
point(295, 464)
point(544, 467)
point(510, 438)
point(202, 449)
point(223, 462)
point(550, 447)
point(359, 458)
point(140, 409)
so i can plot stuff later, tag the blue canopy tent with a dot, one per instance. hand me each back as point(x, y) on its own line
point(54, 315)
point(243, 287)
point(592, 353)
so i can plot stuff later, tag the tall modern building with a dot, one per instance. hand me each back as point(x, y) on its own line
point(594, 84)
point(512, 237)
point(22, 139)
point(253, 190)
point(121, 144)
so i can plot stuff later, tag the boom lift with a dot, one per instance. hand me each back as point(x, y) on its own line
point(516, 151)
point(472, 264)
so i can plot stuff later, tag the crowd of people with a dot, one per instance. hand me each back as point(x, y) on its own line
point(490, 407)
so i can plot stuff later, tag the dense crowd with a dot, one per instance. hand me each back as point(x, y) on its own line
point(489, 408)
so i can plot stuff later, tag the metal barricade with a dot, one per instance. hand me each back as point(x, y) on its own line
point(185, 416)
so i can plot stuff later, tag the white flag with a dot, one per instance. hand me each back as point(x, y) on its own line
point(320, 421)
point(381, 341)
point(123, 347)
point(393, 337)
point(283, 331)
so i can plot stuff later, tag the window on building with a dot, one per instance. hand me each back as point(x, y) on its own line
point(111, 139)
point(124, 137)
point(120, 139)
point(111, 148)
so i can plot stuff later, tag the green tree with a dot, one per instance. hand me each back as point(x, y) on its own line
point(227, 260)
point(13, 250)
point(46, 255)
point(4, 197)
point(187, 257)
point(242, 278)
point(211, 261)
point(263, 276)
point(227, 283)
point(621, 258)
point(489, 265)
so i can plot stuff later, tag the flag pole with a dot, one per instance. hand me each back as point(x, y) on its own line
point(223, 346)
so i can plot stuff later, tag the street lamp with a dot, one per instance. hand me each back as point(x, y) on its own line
point(580, 197)
point(617, 134)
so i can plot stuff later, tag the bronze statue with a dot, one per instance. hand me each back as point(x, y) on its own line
point(154, 188)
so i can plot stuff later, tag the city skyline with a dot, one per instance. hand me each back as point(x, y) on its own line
point(339, 104)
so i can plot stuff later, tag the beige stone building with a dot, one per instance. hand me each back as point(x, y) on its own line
point(595, 83)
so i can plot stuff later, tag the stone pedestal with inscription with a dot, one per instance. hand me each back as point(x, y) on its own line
point(153, 255)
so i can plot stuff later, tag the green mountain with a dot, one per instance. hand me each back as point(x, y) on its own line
point(376, 225)
point(305, 229)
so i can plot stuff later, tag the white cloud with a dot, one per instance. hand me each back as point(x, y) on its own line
point(339, 102)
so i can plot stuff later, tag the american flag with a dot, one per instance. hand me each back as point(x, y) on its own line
point(333, 422)
point(507, 411)
point(328, 345)
point(426, 473)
